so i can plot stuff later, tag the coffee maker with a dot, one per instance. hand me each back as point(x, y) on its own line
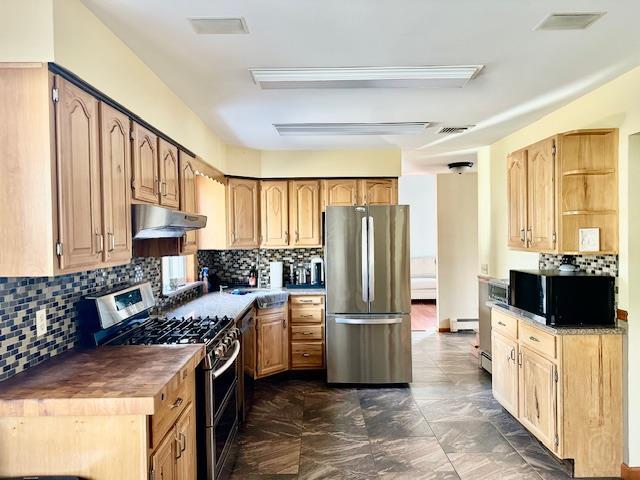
point(317, 271)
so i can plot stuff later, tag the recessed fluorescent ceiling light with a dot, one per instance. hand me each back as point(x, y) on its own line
point(365, 77)
point(218, 26)
point(569, 21)
point(398, 128)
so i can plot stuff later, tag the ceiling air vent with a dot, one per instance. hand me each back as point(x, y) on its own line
point(397, 128)
point(569, 21)
point(454, 130)
point(218, 26)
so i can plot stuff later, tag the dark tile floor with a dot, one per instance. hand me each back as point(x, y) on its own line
point(445, 426)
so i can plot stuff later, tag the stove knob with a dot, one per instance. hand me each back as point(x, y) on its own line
point(219, 352)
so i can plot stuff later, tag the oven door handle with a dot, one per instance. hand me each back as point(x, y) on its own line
point(228, 363)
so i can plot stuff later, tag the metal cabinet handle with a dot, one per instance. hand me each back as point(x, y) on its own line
point(534, 339)
point(306, 316)
point(286, 237)
point(156, 185)
point(519, 359)
point(181, 446)
point(177, 403)
point(523, 236)
point(306, 354)
point(305, 301)
point(100, 242)
point(502, 324)
point(112, 241)
point(307, 333)
point(512, 355)
point(529, 237)
point(297, 236)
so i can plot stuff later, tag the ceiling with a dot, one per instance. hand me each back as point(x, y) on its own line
point(527, 73)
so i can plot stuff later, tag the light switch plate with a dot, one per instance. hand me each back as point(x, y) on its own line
point(484, 268)
point(41, 322)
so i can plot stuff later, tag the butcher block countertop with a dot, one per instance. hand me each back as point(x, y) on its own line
point(118, 380)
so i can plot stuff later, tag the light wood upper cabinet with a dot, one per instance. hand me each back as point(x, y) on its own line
point(272, 343)
point(504, 354)
point(517, 198)
point(116, 183)
point(339, 192)
point(541, 193)
point(78, 164)
point(304, 196)
point(169, 168)
point(145, 165)
point(538, 400)
point(274, 213)
point(242, 213)
point(383, 191)
point(188, 200)
point(186, 445)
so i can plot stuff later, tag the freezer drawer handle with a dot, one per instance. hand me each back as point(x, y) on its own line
point(369, 321)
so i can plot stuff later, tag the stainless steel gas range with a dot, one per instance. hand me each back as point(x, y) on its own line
point(121, 317)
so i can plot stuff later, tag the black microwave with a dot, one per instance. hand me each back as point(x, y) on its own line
point(564, 299)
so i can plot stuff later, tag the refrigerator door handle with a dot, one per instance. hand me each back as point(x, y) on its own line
point(364, 255)
point(368, 321)
point(372, 264)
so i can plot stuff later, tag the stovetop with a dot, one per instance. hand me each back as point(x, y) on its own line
point(175, 331)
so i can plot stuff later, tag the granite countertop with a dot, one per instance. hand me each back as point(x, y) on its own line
point(538, 322)
point(118, 380)
point(229, 305)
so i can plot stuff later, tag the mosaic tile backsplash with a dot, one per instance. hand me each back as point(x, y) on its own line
point(20, 298)
point(601, 264)
point(232, 266)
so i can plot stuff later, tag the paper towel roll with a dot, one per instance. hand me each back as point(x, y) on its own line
point(276, 276)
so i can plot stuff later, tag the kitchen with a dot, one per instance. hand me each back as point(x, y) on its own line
point(126, 222)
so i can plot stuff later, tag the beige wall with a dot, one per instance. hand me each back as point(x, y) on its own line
point(457, 203)
point(26, 30)
point(330, 163)
point(616, 104)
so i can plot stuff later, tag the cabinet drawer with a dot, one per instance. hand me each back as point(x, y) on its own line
point(307, 299)
point(306, 355)
point(310, 332)
point(537, 340)
point(504, 324)
point(173, 400)
point(306, 315)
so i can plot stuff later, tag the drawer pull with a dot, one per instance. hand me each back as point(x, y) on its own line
point(502, 324)
point(305, 301)
point(306, 354)
point(307, 333)
point(306, 316)
point(177, 403)
point(533, 339)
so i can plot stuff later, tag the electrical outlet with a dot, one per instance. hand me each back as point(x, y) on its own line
point(41, 322)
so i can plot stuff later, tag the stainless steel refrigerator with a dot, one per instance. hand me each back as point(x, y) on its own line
point(368, 322)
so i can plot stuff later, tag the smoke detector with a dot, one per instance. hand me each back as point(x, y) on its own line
point(460, 167)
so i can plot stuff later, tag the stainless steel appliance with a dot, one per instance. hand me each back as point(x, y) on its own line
point(558, 298)
point(317, 271)
point(121, 317)
point(248, 340)
point(489, 290)
point(368, 323)
point(153, 221)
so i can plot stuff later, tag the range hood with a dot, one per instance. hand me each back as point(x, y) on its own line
point(153, 221)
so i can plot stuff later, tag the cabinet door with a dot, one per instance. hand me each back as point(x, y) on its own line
point(186, 445)
point(339, 192)
point(116, 183)
point(382, 191)
point(538, 396)
point(541, 195)
point(274, 213)
point(78, 165)
point(145, 165)
point(163, 461)
point(305, 213)
point(273, 344)
point(517, 198)
point(169, 183)
point(188, 200)
point(242, 213)
point(504, 378)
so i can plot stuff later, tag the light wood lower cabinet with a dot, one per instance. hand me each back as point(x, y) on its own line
point(307, 332)
point(565, 389)
point(186, 445)
point(272, 339)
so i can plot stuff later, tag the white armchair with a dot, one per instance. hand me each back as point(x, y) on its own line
point(424, 285)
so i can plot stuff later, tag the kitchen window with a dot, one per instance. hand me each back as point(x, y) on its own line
point(177, 274)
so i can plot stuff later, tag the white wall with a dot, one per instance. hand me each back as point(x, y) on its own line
point(457, 247)
point(419, 191)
